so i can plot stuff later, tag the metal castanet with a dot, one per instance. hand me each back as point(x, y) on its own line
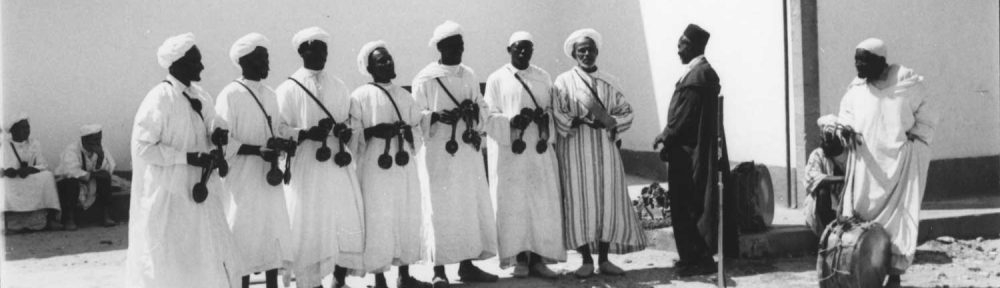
point(343, 158)
point(274, 175)
point(384, 160)
point(541, 119)
point(223, 164)
point(402, 157)
point(200, 190)
point(452, 146)
point(287, 177)
point(521, 122)
point(324, 153)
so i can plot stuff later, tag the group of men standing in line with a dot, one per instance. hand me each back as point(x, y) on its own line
point(316, 179)
point(319, 180)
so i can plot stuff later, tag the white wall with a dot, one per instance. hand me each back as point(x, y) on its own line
point(68, 63)
point(746, 49)
point(953, 44)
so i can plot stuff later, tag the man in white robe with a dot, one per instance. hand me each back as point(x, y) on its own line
point(175, 240)
point(591, 112)
point(258, 216)
point(84, 177)
point(524, 177)
point(887, 106)
point(454, 112)
point(30, 198)
point(324, 197)
point(398, 231)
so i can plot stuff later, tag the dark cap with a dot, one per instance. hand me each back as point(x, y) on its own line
point(697, 35)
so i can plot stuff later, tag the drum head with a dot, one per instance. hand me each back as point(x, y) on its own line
point(765, 194)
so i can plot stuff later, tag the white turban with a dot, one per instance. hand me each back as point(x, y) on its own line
point(875, 46)
point(174, 48)
point(308, 35)
point(519, 36)
point(447, 29)
point(245, 45)
point(14, 119)
point(365, 52)
point(828, 121)
point(576, 35)
point(90, 129)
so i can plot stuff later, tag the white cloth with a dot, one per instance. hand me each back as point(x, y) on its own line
point(691, 64)
point(875, 46)
point(308, 35)
point(245, 45)
point(77, 163)
point(399, 233)
point(257, 215)
point(887, 174)
point(173, 241)
point(174, 48)
point(519, 36)
point(324, 200)
point(826, 121)
point(89, 129)
point(35, 192)
point(463, 217)
point(577, 35)
point(447, 29)
point(525, 186)
point(366, 51)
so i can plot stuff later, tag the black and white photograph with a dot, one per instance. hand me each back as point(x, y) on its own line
point(511, 143)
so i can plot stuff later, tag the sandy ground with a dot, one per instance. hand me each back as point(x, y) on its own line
point(94, 257)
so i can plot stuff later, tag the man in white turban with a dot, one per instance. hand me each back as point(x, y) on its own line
point(258, 216)
point(398, 227)
point(524, 181)
point(591, 112)
point(324, 197)
point(824, 177)
point(84, 177)
point(31, 201)
point(888, 107)
point(176, 200)
point(453, 107)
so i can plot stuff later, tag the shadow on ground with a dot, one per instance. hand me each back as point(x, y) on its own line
point(648, 277)
point(45, 244)
point(931, 257)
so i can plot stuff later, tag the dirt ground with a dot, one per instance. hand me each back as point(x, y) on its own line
point(95, 256)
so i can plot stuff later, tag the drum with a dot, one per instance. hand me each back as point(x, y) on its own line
point(853, 253)
point(755, 196)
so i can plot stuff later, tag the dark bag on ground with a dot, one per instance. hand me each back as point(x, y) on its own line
point(755, 196)
point(853, 253)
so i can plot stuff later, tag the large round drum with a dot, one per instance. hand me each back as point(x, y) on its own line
point(853, 253)
point(755, 196)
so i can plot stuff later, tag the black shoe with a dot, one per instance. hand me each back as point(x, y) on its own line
point(474, 274)
point(893, 282)
point(410, 282)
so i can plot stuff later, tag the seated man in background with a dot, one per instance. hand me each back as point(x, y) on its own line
point(84, 178)
point(28, 187)
point(824, 177)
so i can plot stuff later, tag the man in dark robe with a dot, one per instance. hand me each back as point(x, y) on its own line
point(689, 140)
